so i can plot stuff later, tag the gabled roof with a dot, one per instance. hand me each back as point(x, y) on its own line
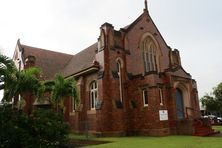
point(55, 62)
point(128, 27)
point(80, 61)
point(144, 14)
point(50, 62)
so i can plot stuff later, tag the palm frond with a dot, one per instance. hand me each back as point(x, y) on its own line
point(34, 71)
point(6, 63)
point(64, 88)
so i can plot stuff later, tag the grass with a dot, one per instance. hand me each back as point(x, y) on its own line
point(164, 142)
point(160, 142)
point(219, 128)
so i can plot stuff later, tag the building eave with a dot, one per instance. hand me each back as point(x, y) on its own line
point(88, 70)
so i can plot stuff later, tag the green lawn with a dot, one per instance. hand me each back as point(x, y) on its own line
point(219, 128)
point(161, 142)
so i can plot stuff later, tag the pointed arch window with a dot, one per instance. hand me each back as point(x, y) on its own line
point(150, 55)
point(93, 94)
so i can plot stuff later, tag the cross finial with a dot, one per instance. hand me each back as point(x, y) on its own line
point(146, 6)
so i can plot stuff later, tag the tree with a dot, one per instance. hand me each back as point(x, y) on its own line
point(8, 76)
point(6, 66)
point(45, 88)
point(45, 128)
point(49, 128)
point(15, 82)
point(27, 81)
point(21, 83)
point(27, 85)
point(213, 102)
point(64, 88)
point(15, 128)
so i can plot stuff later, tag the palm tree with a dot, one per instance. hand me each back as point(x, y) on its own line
point(44, 94)
point(8, 76)
point(28, 81)
point(6, 64)
point(14, 83)
point(27, 86)
point(64, 88)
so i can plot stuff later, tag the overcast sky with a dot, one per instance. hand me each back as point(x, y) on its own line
point(192, 26)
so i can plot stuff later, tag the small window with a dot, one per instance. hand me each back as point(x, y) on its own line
point(145, 97)
point(161, 96)
point(93, 94)
point(119, 68)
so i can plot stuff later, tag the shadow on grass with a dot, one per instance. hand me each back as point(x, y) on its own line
point(76, 140)
point(74, 143)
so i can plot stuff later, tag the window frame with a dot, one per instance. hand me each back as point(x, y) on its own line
point(145, 97)
point(150, 55)
point(93, 94)
point(119, 72)
point(161, 96)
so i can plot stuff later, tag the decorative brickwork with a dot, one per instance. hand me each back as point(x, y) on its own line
point(120, 106)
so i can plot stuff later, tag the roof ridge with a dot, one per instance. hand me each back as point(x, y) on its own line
point(85, 49)
point(82, 59)
point(129, 26)
point(46, 50)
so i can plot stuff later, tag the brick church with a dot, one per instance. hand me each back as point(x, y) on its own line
point(130, 82)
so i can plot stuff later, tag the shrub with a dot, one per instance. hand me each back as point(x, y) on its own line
point(44, 128)
point(49, 128)
point(14, 128)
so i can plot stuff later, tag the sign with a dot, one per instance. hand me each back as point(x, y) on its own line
point(163, 115)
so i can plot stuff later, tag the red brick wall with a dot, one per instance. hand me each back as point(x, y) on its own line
point(134, 38)
point(111, 120)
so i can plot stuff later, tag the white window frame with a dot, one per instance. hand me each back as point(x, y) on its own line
point(93, 95)
point(161, 96)
point(119, 71)
point(144, 97)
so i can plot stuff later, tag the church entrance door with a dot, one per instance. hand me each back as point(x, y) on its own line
point(179, 104)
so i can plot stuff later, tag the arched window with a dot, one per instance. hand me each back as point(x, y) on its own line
point(145, 97)
point(93, 94)
point(119, 71)
point(149, 54)
point(179, 103)
point(161, 96)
